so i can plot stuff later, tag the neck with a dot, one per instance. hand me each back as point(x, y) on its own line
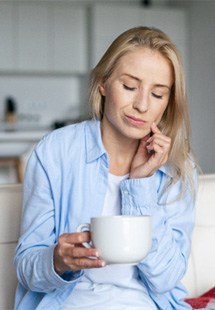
point(120, 149)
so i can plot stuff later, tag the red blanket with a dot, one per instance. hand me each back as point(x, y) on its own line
point(207, 300)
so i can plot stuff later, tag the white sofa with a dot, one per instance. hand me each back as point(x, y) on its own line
point(10, 214)
point(199, 278)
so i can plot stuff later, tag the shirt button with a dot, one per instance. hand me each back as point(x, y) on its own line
point(126, 193)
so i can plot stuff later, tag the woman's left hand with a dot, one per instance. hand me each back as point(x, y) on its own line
point(152, 153)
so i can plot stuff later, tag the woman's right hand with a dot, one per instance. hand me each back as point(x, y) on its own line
point(70, 254)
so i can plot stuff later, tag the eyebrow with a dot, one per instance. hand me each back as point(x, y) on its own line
point(132, 76)
point(162, 85)
point(139, 80)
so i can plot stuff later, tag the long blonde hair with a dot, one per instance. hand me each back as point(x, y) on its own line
point(175, 121)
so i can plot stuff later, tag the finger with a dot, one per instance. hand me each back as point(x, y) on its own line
point(158, 148)
point(141, 153)
point(75, 238)
point(72, 258)
point(77, 252)
point(87, 263)
point(159, 137)
point(158, 157)
point(155, 128)
point(162, 141)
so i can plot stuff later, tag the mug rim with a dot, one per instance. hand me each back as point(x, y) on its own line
point(120, 216)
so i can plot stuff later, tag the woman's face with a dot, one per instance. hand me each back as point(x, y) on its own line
point(137, 93)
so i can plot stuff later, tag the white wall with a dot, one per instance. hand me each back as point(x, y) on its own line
point(202, 82)
point(201, 78)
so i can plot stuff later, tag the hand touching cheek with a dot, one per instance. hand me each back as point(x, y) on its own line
point(152, 153)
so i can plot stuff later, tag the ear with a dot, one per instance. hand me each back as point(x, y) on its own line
point(102, 89)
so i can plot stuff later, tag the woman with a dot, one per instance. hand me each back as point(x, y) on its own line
point(133, 158)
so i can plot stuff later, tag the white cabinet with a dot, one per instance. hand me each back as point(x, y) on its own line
point(43, 37)
point(7, 52)
point(108, 21)
point(33, 37)
point(70, 38)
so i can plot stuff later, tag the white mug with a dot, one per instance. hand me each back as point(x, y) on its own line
point(120, 239)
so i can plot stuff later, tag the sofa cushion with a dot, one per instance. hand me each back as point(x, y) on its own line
point(200, 276)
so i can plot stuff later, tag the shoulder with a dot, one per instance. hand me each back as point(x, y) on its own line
point(65, 138)
point(63, 135)
point(61, 144)
point(68, 142)
point(172, 173)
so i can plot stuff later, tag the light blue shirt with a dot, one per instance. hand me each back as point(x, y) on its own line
point(65, 185)
point(113, 287)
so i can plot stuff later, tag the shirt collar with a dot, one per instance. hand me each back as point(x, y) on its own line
point(166, 170)
point(94, 145)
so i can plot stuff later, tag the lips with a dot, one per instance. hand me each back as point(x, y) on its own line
point(135, 120)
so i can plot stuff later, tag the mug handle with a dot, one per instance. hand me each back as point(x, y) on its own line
point(82, 228)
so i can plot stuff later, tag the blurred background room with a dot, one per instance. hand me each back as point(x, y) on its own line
point(48, 47)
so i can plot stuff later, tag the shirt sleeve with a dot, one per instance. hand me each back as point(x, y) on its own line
point(34, 252)
point(173, 213)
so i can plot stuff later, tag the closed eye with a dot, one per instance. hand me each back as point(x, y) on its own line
point(157, 96)
point(129, 88)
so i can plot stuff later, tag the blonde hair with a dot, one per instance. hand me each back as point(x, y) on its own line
point(175, 121)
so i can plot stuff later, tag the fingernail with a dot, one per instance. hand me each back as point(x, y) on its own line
point(103, 263)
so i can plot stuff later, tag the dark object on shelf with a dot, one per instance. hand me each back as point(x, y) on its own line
point(58, 124)
point(61, 123)
point(146, 2)
point(10, 110)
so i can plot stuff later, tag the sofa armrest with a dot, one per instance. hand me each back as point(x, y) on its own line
point(200, 276)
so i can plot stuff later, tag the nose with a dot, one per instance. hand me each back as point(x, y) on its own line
point(141, 102)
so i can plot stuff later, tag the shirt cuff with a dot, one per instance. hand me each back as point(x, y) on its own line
point(63, 280)
point(139, 196)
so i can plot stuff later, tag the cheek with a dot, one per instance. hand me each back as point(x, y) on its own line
point(113, 100)
point(110, 110)
point(159, 113)
point(109, 106)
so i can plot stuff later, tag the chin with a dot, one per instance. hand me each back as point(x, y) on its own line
point(137, 136)
point(141, 135)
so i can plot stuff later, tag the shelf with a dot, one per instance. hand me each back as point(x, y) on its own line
point(21, 136)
